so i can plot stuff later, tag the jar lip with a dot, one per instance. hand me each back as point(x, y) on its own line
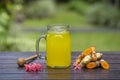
point(65, 26)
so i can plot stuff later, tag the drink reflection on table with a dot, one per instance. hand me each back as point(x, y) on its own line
point(56, 73)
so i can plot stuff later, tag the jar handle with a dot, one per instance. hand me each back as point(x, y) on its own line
point(37, 46)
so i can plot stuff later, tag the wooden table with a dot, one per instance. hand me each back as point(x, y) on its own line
point(10, 71)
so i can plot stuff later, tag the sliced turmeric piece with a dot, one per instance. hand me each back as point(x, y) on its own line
point(104, 64)
point(92, 65)
point(87, 51)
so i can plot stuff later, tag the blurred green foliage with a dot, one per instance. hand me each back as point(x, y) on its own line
point(78, 6)
point(98, 12)
point(6, 13)
point(104, 15)
point(4, 23)
point(61, 17)
point(40, 9)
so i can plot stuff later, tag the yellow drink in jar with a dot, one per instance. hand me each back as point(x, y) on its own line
point(58, 49)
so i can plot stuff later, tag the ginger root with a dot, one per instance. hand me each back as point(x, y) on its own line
point(104, 64)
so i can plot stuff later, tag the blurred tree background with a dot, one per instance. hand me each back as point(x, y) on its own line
point(93, 22)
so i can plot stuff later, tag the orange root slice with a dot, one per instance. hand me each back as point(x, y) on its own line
point(87, 51)
point(104, 64)
point(91, 65)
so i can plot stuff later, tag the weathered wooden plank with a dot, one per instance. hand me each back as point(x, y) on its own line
point(15, 55)
point(96, 76)
point(64, 71)
point(22, 76)
point(14, 66)
point(33, 53)
point(59, 76)
point(9, 61)
point(12, 59)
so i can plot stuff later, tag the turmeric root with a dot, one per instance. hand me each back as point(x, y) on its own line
point(88, 51)
point(93, 49)
point(104, 64)
point(99, 56)
point(90, 59)
point(96, 63)
point(96, 56)
point(78, 60)
point(85, 60)
point(92, 65)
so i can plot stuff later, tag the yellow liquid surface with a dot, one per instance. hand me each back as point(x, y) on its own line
point(58, 49)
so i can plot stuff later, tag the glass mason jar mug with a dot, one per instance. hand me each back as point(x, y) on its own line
point(58, 46)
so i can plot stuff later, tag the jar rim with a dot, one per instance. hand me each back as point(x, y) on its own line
point(64, 26)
